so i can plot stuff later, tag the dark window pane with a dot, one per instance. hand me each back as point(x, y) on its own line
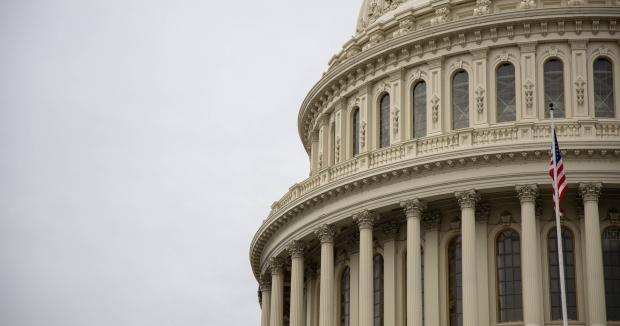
point(509, 276)
point(603, 88)
point(419, 110)
point(356, 131)
point(455, 295)
point(506, 93)
point(611, 252)
point(554, 87)
point(460, 100)
point(569, 273)
point(384, 121)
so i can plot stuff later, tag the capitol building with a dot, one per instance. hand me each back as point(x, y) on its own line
point(428, 200)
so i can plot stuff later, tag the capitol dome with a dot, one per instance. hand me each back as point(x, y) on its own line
point(429, 200)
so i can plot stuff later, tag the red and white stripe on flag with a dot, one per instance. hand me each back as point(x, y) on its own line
point(556, 163)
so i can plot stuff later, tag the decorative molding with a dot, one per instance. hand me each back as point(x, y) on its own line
point(528, 87)
point(390, 230)
point(527, 193)
point(326, 233)
point(395, 120)
point(613, 216)
point(365, 219)
point(363, 134)
point(580, 90)
point(404, 27)
point(506, 218)
point(413, 208)
point(483, 211)
point(590, 191)
point(467, 198)
point(265, 284)
point(337, 150)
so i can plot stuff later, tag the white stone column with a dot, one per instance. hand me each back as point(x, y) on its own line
point(296, 249)
point(326, 234)
point(365, 221)
point(595, 278)
point(276, 316)
point(432, 221)
point(467, 200)
point(413, 210)
point(310, 293)
point(265, 288)
point(389, 268)
point(530, 257)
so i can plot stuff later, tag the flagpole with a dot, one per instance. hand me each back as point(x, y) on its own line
point(556, 200)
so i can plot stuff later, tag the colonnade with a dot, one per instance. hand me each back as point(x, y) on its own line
point(533, 315)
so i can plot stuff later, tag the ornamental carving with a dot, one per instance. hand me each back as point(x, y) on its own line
point(375, 39)
point(432, 220)
point(337, 149)
point(265, 284)
point(435, 108)
point(580, 90)
point(576, 2)
point(613, 216)
point(365, 219)
point(413, 208)
point(442, 15)
point(480, 99)
point(527, 193)
point(529, 93)
point(404, 27)
point(363, 134)
point(483, 7)
point(395, 118)
point(590, 191)
point(326, 233)
point(506, 218)
point(467, 198)
point(373, 9)
point(320, 163)
point(527, 4)
point(276, 265)
point(296, 249)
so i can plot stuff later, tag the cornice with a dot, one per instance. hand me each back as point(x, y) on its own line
point(413, 168)
point(468, 33)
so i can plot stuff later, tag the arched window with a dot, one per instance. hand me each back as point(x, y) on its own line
point(506, 93)
point(419, 110)
point(568, 246)
point(356, 131)
point(378, 290)
point(345, 297)
point(384, 121)
point(508, 262)
point(455, 282)
point(611, 261)
point(603, 88)
point(554, 87)
point(460, 100)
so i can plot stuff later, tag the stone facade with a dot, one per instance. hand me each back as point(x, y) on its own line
point(407, 200)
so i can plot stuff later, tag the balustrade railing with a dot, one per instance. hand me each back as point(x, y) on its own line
point(484, 137)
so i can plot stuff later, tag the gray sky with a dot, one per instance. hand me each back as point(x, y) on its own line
point(141, 145)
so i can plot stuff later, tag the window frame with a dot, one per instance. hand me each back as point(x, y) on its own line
point(496, 237)
point(496, 85)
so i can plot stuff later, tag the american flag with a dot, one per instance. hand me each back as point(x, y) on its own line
point(556, 163)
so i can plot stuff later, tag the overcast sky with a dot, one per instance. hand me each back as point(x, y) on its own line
point(142, 142)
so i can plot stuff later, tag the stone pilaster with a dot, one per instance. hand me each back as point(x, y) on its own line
point(432, 221)
point(595, 278)
point(365, 221)
point(276, 316)
point(389, 281)
point(326, 234)
point(530, 258)
point(413, 211)
point(296, 249)
point(467, 201)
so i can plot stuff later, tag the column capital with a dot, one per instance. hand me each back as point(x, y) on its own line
point(365, 219)
point(265, 284)
point(326, 233)
point(527, 193)
point(413, 208)
point(590, 191)
point(467, 198)
point(276, 265)
point(296, 249)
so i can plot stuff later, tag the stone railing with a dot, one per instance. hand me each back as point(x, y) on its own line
point(466, 139)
